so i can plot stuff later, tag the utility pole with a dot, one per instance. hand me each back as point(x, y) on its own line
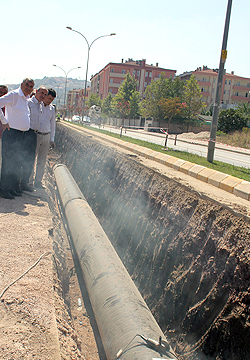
point(216, 109)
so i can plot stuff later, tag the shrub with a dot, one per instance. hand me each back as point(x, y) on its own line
point(231, 120)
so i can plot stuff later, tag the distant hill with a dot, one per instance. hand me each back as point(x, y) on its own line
point(57, 83)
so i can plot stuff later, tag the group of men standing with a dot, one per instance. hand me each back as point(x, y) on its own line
point(28, 125)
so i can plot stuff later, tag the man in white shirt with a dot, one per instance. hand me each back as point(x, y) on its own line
point(45, 136)
point(36, 110)
point(17, 122)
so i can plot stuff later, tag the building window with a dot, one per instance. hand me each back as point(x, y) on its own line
point(202, 90)
point(134, 73)
point(150, 74)
point(145, 84)
point(225, 82)
point(227, 102)
point(236, 94)
point(123, 71)
point(146, 74)
point(138, 72)
point(112, 69)
point(204, 79)
point(214, 81)
point(238, 83)
point(111, 80)
point(229, 82)
point(227, 92)
point(110, 90)
point(122, 81)
point(224, 92)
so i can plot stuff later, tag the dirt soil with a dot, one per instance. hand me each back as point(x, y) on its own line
point(185, 244)
point(45, 315)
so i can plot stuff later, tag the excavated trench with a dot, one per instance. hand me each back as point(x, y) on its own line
point(188, 256)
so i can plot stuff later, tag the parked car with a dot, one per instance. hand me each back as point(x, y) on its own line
point(76, 119)
point(86, 119)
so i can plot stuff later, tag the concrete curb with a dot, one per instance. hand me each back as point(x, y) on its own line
point(233, 185)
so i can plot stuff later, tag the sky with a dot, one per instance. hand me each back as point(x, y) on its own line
point(179, 35)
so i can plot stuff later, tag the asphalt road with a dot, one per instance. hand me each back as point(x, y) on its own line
point(224, 153)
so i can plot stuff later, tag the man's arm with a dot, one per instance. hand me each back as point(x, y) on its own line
point(4, 101)
point(52, 127)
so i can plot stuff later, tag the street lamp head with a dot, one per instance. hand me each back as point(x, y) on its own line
point(68, 27)
point(112, 34)
point(54, 65)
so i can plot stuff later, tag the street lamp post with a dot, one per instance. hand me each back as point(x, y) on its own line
point(213, 130)
point(86, 77)
point(66, 78)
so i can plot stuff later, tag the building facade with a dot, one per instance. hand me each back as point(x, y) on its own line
point(109, 79)
point(235, 89)
point(75, 100)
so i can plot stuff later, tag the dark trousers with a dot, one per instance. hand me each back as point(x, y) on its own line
point(12, 159)
point(30, 154)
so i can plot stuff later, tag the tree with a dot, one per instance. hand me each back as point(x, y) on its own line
point(171, 107)
point(126, 101)
point(106, 106)
point(162, 88)
point(231, 120)
point(192, 98)
point(93, 100)
point(244, 109)
point(134, 104)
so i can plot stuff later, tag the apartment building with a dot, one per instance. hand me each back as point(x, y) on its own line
point(235, 89)
point(75, 99)
point(109, 79)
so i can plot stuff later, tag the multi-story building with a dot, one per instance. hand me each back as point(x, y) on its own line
point(109, 79)
point(75, 99)
point(235, 89)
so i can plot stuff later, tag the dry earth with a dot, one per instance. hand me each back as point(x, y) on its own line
point(45, 315)
point(40, 317)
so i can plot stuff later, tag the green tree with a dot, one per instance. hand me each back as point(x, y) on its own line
point(231, 120)
point(162, 88)
point(192, 99)
point(93, 100)
point(106, 106)
point(244, 110)
point(171, 107)
point(134, 105)
point(127, 101)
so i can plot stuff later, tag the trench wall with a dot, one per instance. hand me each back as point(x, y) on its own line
point(188, 256)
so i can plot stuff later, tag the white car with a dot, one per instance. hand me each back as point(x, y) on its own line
point(76, 118)
point(86, 119)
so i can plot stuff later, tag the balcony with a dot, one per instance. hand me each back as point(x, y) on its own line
point(205, 93)
point(242, 88)
point(204, 83)
point(240, 98)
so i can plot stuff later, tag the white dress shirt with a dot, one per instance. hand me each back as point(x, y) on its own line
point(35, 112)
point(47, 122)
point(17, 113)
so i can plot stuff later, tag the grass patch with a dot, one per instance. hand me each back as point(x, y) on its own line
point(237, 171)
point(238, 138)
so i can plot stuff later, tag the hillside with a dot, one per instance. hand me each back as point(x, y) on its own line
point(57, 83)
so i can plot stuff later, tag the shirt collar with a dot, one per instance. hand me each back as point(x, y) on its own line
point(20, 92)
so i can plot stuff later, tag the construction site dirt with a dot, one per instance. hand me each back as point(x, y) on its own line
point(184, 243)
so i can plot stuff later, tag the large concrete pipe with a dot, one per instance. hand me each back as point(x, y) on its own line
point(127, 327)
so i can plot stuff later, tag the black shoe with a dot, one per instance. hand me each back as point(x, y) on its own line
point(15, 193)
point(26, 187)
point(7, 195)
